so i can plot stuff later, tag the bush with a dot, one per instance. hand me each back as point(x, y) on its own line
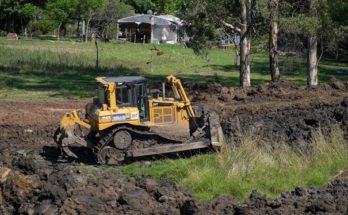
point(3, 33)
point(42, 26)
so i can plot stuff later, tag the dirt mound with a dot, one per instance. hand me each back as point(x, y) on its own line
point(81, 189)
point(14, 188)
point(267, 97)
point(294, 125)
point(330, 200)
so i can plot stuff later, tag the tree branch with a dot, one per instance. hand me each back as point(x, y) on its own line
point(228, 25)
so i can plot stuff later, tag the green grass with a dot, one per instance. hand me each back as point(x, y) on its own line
point(253, 165)
point(35, 69)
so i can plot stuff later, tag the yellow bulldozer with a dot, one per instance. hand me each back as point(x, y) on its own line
point(123, 121)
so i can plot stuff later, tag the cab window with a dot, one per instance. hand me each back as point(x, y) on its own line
point(122, 96)
point(101, 94)
point(139, 90)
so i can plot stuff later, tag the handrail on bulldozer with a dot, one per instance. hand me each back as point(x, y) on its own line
point(180, 92)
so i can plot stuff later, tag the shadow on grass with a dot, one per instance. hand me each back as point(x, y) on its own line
point(79, 81)
point(62, 81)
point(74, 81)
point(224, 68)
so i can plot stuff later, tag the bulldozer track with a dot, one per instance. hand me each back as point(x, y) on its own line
point(107, 138)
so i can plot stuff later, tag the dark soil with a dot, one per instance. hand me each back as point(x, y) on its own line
point(279, 112)
point(296, 126)
point(81, 189)
point(33, 181)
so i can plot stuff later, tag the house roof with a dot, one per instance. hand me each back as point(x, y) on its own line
point(163, 20)
point(172, 19)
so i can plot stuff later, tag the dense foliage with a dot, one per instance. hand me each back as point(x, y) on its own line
point(16, 15)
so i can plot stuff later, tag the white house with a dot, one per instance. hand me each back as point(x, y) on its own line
point(152, 29)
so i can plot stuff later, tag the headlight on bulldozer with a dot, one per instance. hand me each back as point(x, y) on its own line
point(105, 118)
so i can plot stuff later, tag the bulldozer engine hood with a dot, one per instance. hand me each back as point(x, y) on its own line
point(101, 120)
point(108, 118)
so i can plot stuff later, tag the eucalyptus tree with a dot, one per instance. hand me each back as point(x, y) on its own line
point(172, 7)
point(60, 11)
point(321, 22)
point(231, 16)
point(88, 10)
point(269, 10)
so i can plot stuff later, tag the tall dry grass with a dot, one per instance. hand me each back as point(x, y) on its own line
point(256, 165)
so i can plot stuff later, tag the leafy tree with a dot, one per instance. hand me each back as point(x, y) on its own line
point(28, 12)
point(335, 20)
point(320, 22)
point(106, 17)
point(269, 10)
point(221, 14)
point(60, 11)
point(159, 6)
point(88, 9)
point(16, 14)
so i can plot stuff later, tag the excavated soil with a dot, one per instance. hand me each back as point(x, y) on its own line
point(33, 181)
point(278, 112)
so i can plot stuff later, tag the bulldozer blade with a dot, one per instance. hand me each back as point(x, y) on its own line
point(167, 148)
point(216, 134)
point(64, 138)
point(68, 152)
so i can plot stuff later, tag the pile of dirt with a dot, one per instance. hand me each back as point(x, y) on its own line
point(81, 189)
point(267, 97)
point(35, 186)
point(294, 125)
point(281, 111)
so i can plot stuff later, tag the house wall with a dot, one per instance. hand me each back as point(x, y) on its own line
point(138, 33)
point(165, 34)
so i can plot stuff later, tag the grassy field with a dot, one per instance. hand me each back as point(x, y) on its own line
point(254, 165)
point(35, 69)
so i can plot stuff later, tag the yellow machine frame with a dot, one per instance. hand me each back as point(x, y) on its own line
point(180, 109)
point(175, 114)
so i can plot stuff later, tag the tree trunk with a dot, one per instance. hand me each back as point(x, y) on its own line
point(87, 29)
point(22, 26)
point(273, 40)
point(58, 33)
point(78, 28)
point(312, 76)
point(245, 44)
point(97, 60)
point(337, 51)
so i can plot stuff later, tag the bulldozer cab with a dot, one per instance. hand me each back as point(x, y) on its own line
point(130, 92)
